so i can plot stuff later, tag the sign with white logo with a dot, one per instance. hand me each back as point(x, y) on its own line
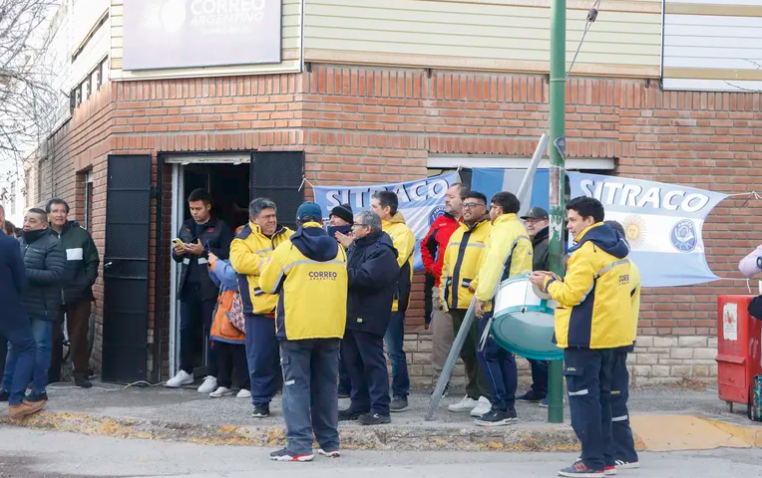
point(198, 33)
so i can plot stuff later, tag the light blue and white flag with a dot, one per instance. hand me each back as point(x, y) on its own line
point(420, 202)
point(663, 222)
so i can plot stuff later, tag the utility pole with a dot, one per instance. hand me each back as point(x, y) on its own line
point(557, 181)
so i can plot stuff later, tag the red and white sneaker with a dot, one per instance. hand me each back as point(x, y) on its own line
point(285, 455)
point(581, 470)
point(610, 470)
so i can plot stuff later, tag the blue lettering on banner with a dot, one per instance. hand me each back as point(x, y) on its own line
point(683, 236)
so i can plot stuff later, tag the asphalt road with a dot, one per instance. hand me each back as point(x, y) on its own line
point(38, 454)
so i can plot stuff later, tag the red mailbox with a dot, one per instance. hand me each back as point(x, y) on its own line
point(739, 357)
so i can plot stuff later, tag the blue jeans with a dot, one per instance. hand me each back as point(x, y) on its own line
point(499, 367)
point(310, 393)
point(16, 377)
point(42, 330)
point(395, 336)
point(262, 358)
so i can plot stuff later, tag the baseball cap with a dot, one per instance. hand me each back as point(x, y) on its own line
point(309, 209)
point(536, 213)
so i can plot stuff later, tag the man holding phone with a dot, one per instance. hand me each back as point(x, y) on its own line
point(198, 236)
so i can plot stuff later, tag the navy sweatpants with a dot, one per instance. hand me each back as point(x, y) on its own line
point(624, 444)
point(263, 358)
point(588, 380)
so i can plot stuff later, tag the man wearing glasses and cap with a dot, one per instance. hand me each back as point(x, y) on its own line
point(536, 223)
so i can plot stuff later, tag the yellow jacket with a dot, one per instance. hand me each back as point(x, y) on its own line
point(309, 272)
point(404, 242)
point(249, 252)
point(508, 253)
point(462, 260)
point(635, 297)
point(595, 307)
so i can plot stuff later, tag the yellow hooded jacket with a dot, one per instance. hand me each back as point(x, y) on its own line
point(508, 253)
point(404, 242)
point(462, 260)
point(634, 300)
point(308, 273)
point(249, 252)
point(595, 306)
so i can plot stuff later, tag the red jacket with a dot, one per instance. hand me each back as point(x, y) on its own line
point(435, 243)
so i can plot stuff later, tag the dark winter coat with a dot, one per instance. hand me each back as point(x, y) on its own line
point(81, 262)
point(45, 262)
point(12, 283)
point(541, 256)
point(372, 275)
point(218, 236)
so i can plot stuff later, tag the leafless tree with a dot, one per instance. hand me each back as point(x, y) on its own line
point(27, 100)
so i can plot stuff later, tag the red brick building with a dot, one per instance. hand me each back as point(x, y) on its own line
point(139, 140)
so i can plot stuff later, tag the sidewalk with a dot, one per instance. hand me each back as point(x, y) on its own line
point(664, 419)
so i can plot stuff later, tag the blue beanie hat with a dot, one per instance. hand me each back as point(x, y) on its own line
point(309, 209)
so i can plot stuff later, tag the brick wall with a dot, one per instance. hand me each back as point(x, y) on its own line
point(366, 125)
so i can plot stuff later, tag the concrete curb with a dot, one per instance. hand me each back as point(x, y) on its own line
point(528, 438)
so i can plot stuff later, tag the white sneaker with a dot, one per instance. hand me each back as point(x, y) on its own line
point(482, 408)
point(221, 392)
point(182, 378)
point(243, 393)
point(209, 385)
point(465, 405)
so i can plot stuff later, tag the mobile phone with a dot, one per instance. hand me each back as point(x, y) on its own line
point(178, 242)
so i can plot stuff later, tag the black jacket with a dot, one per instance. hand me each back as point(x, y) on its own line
point(12, 283)
point(372, 275)
point(45, 262)
point(541, 256)
point(218, 236)
point(81, 262)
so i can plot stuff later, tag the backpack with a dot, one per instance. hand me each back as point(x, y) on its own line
point(755, 400)
point(235, 314)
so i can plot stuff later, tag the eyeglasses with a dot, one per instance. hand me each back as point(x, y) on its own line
point(359, 225)
point(471, 205)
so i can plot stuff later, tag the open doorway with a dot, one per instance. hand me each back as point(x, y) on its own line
point(227, 182)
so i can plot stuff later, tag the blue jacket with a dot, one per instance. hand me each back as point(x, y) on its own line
point(225, 278)
point(373, 272)
point(12, 281)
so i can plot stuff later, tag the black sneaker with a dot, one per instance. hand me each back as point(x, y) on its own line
point(4, 396)
point(261, 411)
point(530, 397)
point(37, 397)
point(374, 419)
point(349, 414)
point(285, 455)
point(496, 418)
point(399, 404)
point(83, 382)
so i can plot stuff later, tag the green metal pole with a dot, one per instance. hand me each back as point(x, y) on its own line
point(557, 178)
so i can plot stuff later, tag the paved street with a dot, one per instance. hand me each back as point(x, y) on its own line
point(35, 454)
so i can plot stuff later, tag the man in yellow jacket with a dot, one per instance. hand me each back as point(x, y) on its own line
point(385, 204)
point(592, 320)
point(249, 252)
point(508, 254)
point(462, 259)
point(308, 272)
point(625, 455)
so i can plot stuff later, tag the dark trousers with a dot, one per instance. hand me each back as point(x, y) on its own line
point(231, 367)
point(345, 382)
point(3, 350)
point(477, 385)
point(624, 444)
point(588, 380)
point(500, 370)
point(262, 356)
point(310, 393)
point(364, 357)
point(77, 326)
point(25, 348)
point(428, 303)
point(195, 316)
point(395, 340)
point(539, 378)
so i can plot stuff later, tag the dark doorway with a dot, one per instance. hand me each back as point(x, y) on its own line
point(125, 268)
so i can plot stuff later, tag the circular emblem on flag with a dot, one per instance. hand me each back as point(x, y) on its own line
point(435, 213)
point(635, 230)
point(683, 236)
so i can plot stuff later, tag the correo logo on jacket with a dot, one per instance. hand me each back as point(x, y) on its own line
point(323, 275)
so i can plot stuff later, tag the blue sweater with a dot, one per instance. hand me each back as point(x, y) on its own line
point(12, 281)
